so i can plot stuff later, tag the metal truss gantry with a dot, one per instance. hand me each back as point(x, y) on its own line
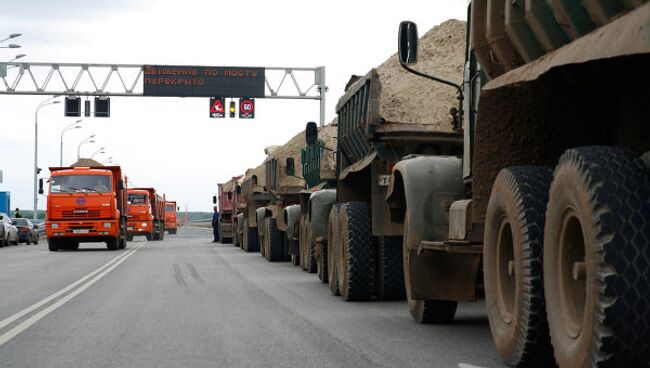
point(79, 79)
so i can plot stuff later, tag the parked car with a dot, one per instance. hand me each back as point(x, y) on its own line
point(27, 231)
point(10, 235)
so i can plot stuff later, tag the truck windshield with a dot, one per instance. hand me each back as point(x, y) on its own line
point(80, 183)
point(137, 198)
point(170, 208)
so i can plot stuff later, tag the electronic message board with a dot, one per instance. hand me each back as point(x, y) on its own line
point(203, 81)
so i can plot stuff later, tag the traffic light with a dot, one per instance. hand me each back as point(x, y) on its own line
point(232, 109)
point(72, 106)
point(102, 107)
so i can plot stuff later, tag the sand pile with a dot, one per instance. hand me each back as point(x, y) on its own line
point(290, 149)
point(86, 162)
point(408, 98)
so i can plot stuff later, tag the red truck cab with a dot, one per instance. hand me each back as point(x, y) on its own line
point(145, 214)
point(170, 216)
point(86, 204)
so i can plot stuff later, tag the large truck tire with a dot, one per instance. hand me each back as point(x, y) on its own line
point(307, 254)
point(390, 269)
point(150, 237)
point(432, 311)
point(333, 246)
point(250, 238)
point(112, 244)
point(512, 265)
point(273, 242)
point(296, 258)
point(356, 258)
point(52, 245)
point(596, 254)
point(321, 260)
point(123, 235)
point(129, 237)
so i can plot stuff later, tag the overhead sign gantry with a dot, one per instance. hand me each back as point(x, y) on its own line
point(164, 81)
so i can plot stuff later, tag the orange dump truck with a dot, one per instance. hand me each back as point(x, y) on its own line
point(86, 204)
point(170, 217)
point(146, 214)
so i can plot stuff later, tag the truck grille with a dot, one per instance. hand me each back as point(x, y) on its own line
point(80, 214)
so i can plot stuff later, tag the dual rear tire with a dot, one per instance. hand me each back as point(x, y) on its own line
point(566, 260)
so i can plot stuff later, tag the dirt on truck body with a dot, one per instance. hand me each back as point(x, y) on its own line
point(552, 194)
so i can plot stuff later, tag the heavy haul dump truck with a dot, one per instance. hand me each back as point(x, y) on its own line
point(227, 200)
point(552, 194)
point(278, 220)
point(146, 214)
point(171, 224)
point(255, 196)
point(381, 120)
point(86, 204)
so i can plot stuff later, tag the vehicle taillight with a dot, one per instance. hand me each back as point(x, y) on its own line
point(24, 230)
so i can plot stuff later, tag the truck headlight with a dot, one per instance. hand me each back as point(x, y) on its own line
point(107, 224)
point(55, 226)
point(144, 224)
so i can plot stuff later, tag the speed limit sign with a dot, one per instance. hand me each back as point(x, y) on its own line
point(246, 108)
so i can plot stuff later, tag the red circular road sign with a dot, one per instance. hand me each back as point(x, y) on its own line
point(247, 106)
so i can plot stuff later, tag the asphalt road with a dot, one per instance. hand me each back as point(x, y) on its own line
point(185, 302)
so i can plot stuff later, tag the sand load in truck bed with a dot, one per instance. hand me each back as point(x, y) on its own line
point(86, 162)
point(408, 98)
point(280, 153)
point(327, 135)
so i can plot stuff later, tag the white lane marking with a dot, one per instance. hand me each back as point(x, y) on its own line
point(7, 336)
point(48, 299)
point(463, 365)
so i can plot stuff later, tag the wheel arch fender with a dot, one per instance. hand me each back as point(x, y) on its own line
point(319, 207)
point(425, 186)
point(292, 218)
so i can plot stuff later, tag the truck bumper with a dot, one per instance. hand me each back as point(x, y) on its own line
point(86, 230)
point(139, 227)
point(170, 225)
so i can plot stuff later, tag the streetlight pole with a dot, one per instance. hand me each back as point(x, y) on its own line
point(69, 127)
point(87, 140)
point(101, 150)
point(42, 104)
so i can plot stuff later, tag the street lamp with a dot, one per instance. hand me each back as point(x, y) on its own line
point(13, 35)
point(107, 161)
point(87, 140)
point(74, 125)
point(42, 104)
point(17, 57)
point(99, 151)
point(11, 46)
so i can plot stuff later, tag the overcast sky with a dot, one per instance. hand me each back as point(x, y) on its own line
point(171, 143)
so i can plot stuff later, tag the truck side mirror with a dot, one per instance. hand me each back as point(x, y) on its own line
point(230, 196)
point(290, 167)
point(40, 186)
point(120, 185)
point(408, 42)
point(238, 189)
point(311, 133)
point(214, 199)
point(178, 208)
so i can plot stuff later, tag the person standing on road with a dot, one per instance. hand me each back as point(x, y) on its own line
point(17, 214)
point(215, 225)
